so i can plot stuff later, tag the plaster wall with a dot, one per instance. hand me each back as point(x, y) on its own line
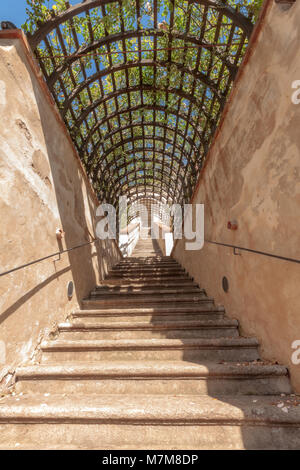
point(42, 187)
point(252, 174)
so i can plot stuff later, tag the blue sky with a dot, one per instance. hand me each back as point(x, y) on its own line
point(13, 10)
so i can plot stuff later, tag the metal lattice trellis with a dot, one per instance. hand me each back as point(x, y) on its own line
point(141, 86)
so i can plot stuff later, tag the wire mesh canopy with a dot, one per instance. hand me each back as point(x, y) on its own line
point(141, 85)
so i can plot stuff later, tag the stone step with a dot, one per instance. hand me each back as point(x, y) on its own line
point(144, 252)
point(147, 330)
point(141, 300)
point(146, 261)
point(183, 312)
point(147, 258)
point(148, 271)
point(145, 243)
point(154, 377)
point(149, 280)
point(136, 262)
point(140, 266)
point(104, 291)
point(147, 285)
point(144, 274)
point(216, 349)
point(150, 268)
point(152, 421)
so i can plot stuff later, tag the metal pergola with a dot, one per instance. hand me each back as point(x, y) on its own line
point(141, 86)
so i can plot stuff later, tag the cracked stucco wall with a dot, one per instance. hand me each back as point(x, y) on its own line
point(42, 188)
point(253, 175)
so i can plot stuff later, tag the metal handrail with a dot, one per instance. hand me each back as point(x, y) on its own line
point(58, 253)
point(235, 247)
point(264, 253)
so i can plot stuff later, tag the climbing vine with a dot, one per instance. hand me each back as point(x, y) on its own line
point(141, 84)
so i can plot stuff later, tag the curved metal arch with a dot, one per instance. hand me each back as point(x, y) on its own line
point(134, 162)
point(160, 193)
point(144, 176)
point(172, 194)
point(154, 198)
point(143, 195)
point(150, 191)
point(106, 170)
point(240, 20)
point(123, 91)
point(89, 137)
point(134, 139)
point(181, 179)
point(178, 187)
point(108, 40)
point(113, 180)
point(143, 63)
point(108, 166)
point(154, 124)
point(105, 175)
point(164, 109)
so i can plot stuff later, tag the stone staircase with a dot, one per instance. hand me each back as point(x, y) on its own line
point(150, 362)
point(146, 247)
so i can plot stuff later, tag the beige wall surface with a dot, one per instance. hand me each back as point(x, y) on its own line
point(253, 175)
point(42, 188)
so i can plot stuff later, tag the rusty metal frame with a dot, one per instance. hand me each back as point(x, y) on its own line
point(106, 139)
